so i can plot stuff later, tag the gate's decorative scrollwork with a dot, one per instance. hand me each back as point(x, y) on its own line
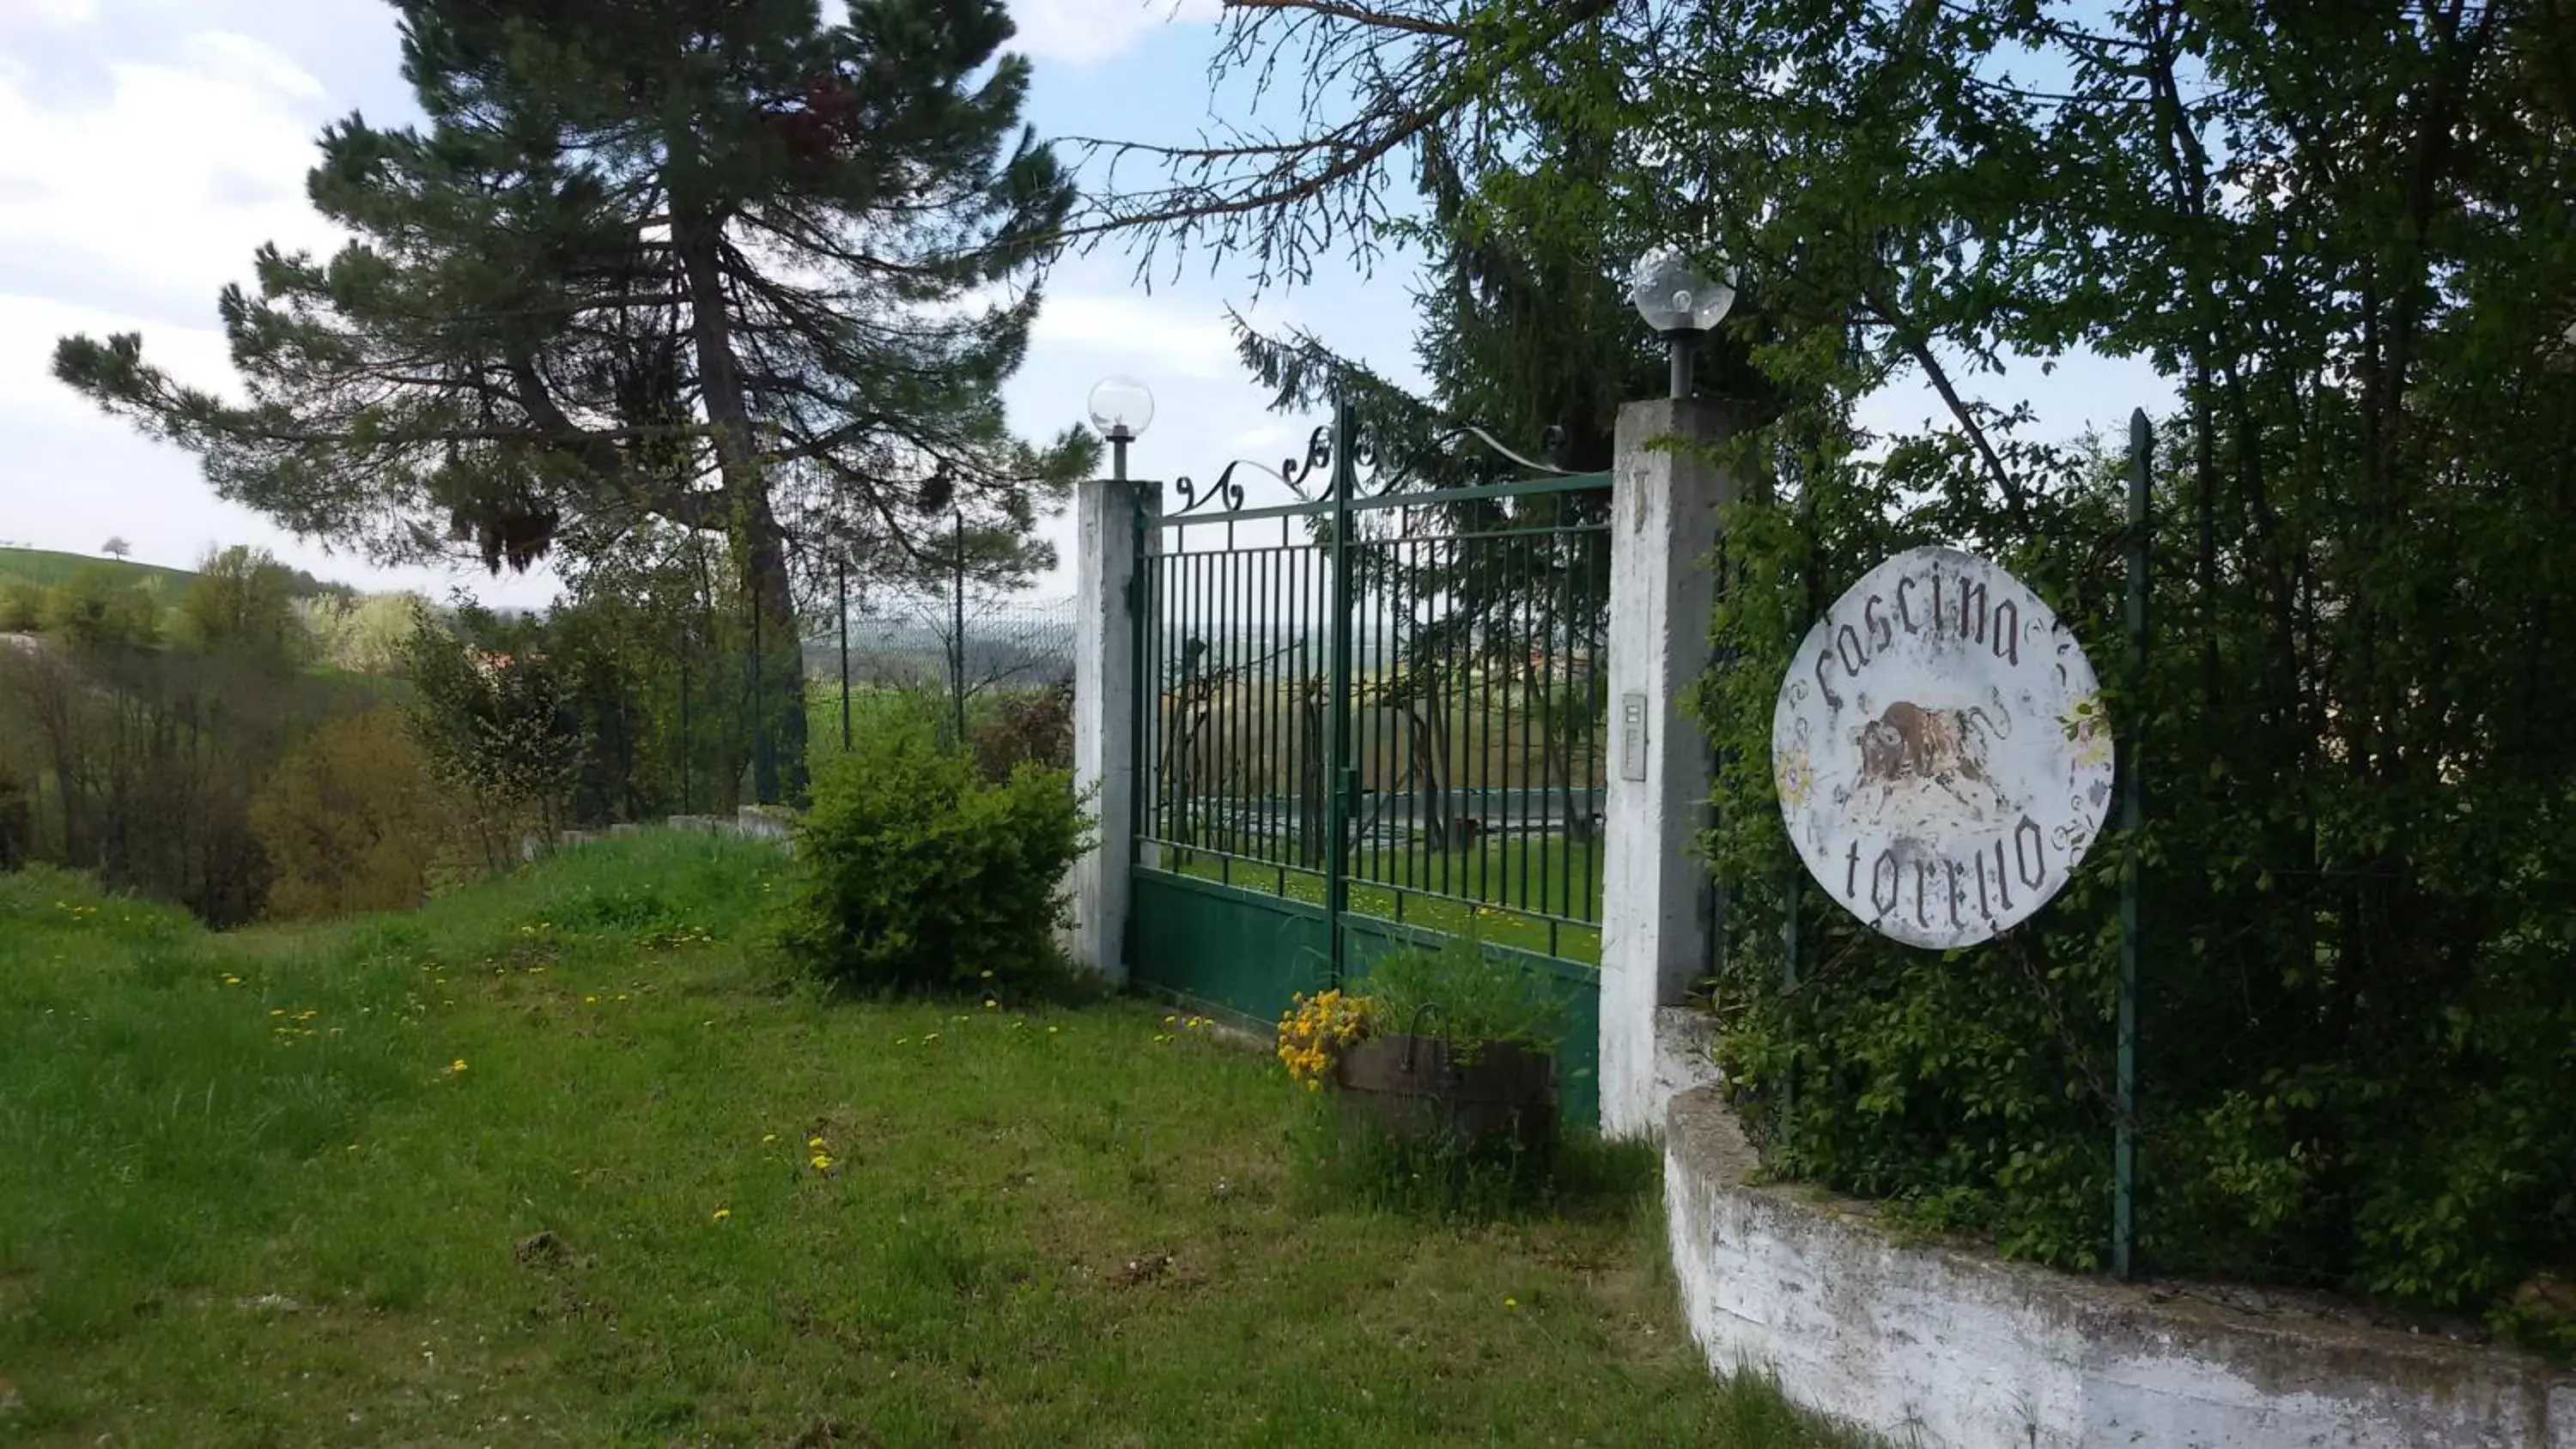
point(1314, 479)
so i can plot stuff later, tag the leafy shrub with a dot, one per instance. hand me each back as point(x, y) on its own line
point(1032, 728)
point(22, 606)
point(2355, 1009)
point(242, 605)
point(96, 609)
point(495, 725)
point(914, 874)
point(1457, 992)
point(351, 820)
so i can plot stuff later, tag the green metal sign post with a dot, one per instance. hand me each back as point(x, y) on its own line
point(2133, 816)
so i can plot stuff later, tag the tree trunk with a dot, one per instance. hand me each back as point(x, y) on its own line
point(760, 545)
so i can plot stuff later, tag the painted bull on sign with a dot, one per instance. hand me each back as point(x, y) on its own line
point(1911, 748)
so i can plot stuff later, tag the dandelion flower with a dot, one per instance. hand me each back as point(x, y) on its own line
point(1511, 1303)
point(815, 1142)
point(822, 1162)
point(768, 1137)
point(457, 1065)
point(723, 1213)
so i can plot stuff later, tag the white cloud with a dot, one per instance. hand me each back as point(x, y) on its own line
point(151, 193)
point(48, 14)
point(223, 55)
point(127, 200)
point(1086, 32)
point(1167, 338)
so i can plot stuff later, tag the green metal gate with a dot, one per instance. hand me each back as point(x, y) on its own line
point(1371, 716)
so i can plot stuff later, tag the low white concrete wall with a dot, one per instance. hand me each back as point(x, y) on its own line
point(1935, 1346)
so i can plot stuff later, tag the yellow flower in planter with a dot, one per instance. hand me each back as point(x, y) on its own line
point(1316, 1028)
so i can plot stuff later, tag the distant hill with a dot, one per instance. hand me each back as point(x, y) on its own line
point(45, 566)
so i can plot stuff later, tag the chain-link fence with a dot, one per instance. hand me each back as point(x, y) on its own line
point(971, 663)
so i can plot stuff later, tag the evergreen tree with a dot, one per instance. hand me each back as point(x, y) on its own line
point(708, 261)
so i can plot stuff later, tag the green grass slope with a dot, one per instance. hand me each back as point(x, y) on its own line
point(45, 566)
point(558, 1160)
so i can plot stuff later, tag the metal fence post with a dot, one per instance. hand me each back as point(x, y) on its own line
point(841, 571)
point(2133, 816)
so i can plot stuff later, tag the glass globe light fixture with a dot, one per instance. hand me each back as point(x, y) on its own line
point(1121, 408)
point(1680, 304)
point(1673, 298)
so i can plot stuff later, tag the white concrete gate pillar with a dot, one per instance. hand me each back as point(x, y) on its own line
point(1104, 717)
point(1664, 499)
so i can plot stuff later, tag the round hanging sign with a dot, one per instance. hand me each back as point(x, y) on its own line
point(1940, 751)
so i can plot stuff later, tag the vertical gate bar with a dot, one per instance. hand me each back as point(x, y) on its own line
point(1283, 724)
point(1209, 777)
point(1417, 626)
point(1382, 665)
point(1338, 778)
point(1567, 546)
point(1368, 746)
point(1247, 732)
point(2133, 819)
point(1478, 568)
point(1527, 643)
point(1191, 776)
point(1458, 642)
point(1175, 687)
point(1265, 742)
point(1177, 773)
point(1299, 662)
point(1542, 547)
point(1283, 771)
point(1221, 714)
point(1149, 673)
point(1140, 633)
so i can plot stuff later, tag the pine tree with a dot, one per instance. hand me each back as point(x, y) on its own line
point(707, 261)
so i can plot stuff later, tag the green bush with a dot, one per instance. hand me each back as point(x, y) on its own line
point(913, 874)
point(351, 820)
point(1033, 727)
point(2355, 1010)
point(96, 609)
point(22, 606)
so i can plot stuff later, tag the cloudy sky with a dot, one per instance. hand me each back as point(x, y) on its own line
point(147, 147)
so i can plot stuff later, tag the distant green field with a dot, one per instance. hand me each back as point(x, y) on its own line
point(44, 566)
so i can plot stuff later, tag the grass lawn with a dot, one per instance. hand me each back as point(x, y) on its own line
point(45, 566)
point(538, 1166)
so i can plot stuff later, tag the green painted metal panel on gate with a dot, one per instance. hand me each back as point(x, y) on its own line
point(1236, 952)
point(1246, 954)
point(1373, 716)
